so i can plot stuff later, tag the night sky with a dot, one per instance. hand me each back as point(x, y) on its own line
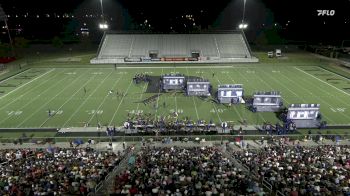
point(291, 19)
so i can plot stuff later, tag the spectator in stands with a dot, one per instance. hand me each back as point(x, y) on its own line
point(62, 172)
point(321, 170)
point(189, 171)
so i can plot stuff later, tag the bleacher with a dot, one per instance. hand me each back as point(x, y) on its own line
point(225, 47)
point(232, 46)
point(143, 43)
point(206, 43)
point(116, 46)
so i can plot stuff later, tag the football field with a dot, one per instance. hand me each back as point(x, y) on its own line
point(76, 97)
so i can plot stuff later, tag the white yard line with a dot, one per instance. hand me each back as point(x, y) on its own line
point(14, 76)
point(281, 84)
point(295, 93)
point(217, 113)
point(83, 103)
point(242, 75)
point(25, 83)
point(104, 99)
point(175, 102)
point(2, 73)
point(317, 96)
point(334, 73)
point(32, 114)
point(234, 106)
point(35, 98)
point(175, 95)
point(326, 92)
point(121, 101)
point(239, 115)
point(19, 97)
point(138, 104)
point(194, 102)
point(322, 81)
point(216, 110)
point(155, 114)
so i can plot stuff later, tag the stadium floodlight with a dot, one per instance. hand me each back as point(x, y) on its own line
point(243, 26)
point(103, 26)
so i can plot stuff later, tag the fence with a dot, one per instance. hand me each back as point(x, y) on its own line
point(139, 138)
point(110, 174)
point(267, 185)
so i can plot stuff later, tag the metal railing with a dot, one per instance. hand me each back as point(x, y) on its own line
point(243, 165)
point(266, 184)
point(190, 137)
point(111, 174)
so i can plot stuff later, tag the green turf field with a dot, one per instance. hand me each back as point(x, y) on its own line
point(27, 97)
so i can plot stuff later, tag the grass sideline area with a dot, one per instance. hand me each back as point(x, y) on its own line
point(56, 83)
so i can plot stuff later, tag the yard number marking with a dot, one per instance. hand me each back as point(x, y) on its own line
point(56, 112)
point(14, 113)
point(218, 110)
point(71, 73)
point(338, 109)
point(135, 111)
point(94, 111)
point(179, 111)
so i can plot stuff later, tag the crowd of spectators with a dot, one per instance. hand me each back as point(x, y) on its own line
point(54, 171)
point(300, 170)
point(184, 171)
point(7, 155)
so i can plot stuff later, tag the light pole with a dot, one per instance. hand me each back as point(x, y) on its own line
point(102, 10)
point(103, 25)
point(244, 1)
point(243, 25)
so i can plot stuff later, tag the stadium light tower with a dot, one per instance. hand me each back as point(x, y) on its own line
point(243, 25)
point(103, 25)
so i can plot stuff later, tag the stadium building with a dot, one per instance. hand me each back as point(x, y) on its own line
point(228, 47)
